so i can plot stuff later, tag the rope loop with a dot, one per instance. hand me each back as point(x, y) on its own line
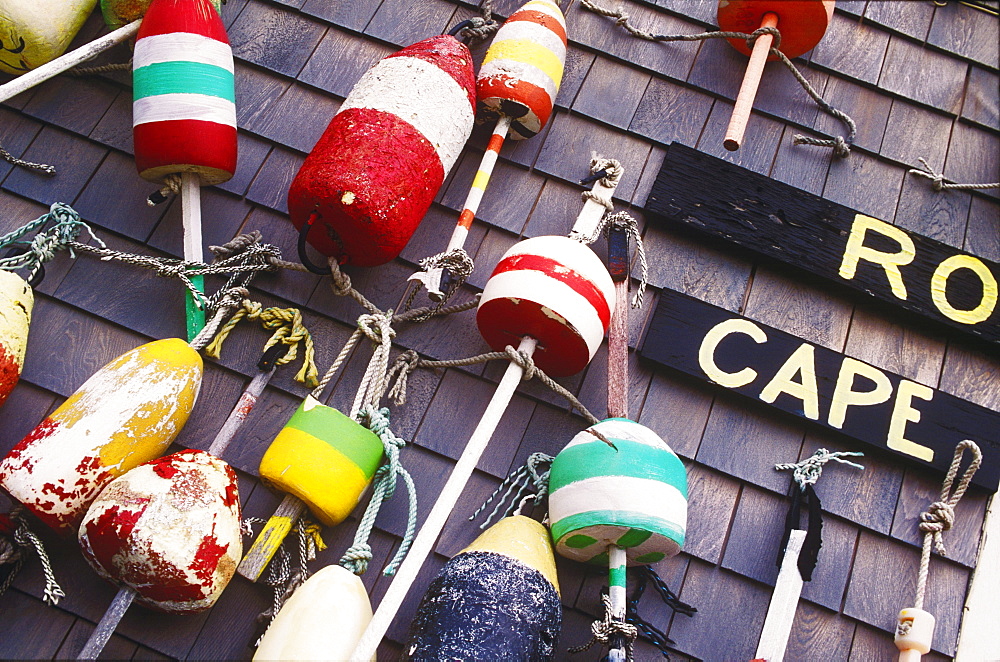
point(24, 538)
point(602, 631)
point(612, 170)
point(524, 360)
point(808, 471)
point(938, 181)
point(774, 32)
point(62, 235)
point(525, 483)
point(404, 364)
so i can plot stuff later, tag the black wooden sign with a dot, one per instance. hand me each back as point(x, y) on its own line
point(797, 228)
point(867, 404)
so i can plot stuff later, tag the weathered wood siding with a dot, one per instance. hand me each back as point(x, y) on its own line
point(920, 80)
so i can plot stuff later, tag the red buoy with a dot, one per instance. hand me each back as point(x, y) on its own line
point(375, 171)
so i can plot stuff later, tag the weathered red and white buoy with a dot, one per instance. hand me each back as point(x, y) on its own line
point(127, 413)
point(184, 106)
point(16, 302)
point(555, 290)
point(801, 23)
point(169, 530)
point(375, 171)
point(497, 599)
point(36, 32)
point(302, 629)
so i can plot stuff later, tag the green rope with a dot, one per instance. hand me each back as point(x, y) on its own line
point(44, 245)
point(357, 557)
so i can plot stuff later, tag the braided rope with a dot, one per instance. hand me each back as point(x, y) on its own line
point(481, 28)
point(43, 168)
point(45, 244)
point(841, 145)
point(613, 170)
point(531, 484)
point(280, 576)
point(229, 303)
point(24, 538)
point(939, 183)
point(602, 631)
point(808, 471)
point(101, 69)
point(359, 554)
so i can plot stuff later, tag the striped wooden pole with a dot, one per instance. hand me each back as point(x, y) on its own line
point(184, 113)
point(518, 82)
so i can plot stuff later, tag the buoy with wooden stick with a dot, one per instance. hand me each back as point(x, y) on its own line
point(497, 599)
point(518, 83)
point(801, 23)
point(552, 296)
point(127, 413)
point(35, 33)
point(184, 112)
point(374, 172)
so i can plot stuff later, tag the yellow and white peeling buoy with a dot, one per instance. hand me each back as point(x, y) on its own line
point(33, 32)
point(16, 302)
point(127, 413)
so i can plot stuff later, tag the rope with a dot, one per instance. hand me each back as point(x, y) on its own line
point(940, 516)
point(841, 146)
point(455, 262)
point(602, 631)
point(359, 555)
point(938, 181)
point(481, 28)
point(289, 331)
point(45, 244)
point(171, 185)
point(101, 69)
point(23, 538)
point(43, 168)
point(613, 171)
point(530, 483)
point(509, 354)
point(230, 302)
point(808, 471)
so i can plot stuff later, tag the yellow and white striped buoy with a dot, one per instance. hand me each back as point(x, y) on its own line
point(33, 32)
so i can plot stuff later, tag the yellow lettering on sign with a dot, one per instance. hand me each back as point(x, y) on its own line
point(890, 262)
point(845, 396)
point(706, 353)
point(903, 413)
point(801, 362)
point(939, 288)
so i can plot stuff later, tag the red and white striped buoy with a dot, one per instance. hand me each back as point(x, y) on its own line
point(16, 302)
point(375, 171)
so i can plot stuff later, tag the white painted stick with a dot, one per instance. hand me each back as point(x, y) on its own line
point(592, 212)
point(784, 600)
point(191, 209)
point(977, 639)
point(616, 593)
point(423, 544)
point(66, 61)
point(109, 622)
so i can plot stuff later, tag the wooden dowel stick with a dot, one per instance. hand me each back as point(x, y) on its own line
point(66, 61)
point(240, 412)
point(751, 80)
point(784, 600)
point(432, 277)
point(423, 544)
point(191, 211)
point(109, 622)
point(618, 264)
point(273, 534)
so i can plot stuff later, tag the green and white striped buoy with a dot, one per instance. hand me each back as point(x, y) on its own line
point(632, 496)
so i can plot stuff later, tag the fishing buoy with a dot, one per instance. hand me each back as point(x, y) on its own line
point(16, 302)
point(121, 12)
point(127, 413)
point(322, 460)
point(169, 530)
point(498, 599)
point(802, 23)
point(35, 32)
point(632, 495)
point(375, 170)
point(323, 619)
point(555, 290)
point(518, 82)
point(554, 287)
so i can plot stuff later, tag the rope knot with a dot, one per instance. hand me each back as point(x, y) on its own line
point(405, 363)
point(622, 20)
point(808, 471)
point(602, 631)
point(340, 282)
point(377, 326)
point(357, 557)
point(522, 359)
point(841, 148)
point(776, 45)
point(939, 517)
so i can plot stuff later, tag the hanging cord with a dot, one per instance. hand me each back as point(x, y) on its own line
point(526, 483)
point(602, 631)
point(280, 576)
point(940, 516)
point(841, 146)
point(100, 69)
point(478, 28)
point(509, 354)
point(13, 552)
point(289, 331)
point(938, 181)
point(359, 555)
point(624, 221)
point(171, 186)
point(609, 172)
point(805, 474)
point(647, 630)
point(46, 243)
point(43, 168)
point(456, 263)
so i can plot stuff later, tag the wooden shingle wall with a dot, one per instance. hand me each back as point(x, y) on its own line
point(920, 80)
